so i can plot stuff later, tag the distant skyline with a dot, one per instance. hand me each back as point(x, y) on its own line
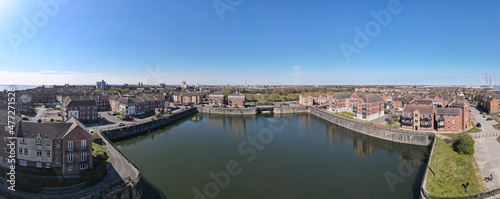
point(450, 42)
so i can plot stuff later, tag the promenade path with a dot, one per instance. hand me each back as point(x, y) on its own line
point(487, 149)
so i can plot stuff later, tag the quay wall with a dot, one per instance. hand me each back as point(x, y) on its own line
point(228, 111)
point(385, 133)
point(289, 109)
point(136, 129)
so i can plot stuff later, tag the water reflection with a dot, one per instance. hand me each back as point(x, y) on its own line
point(365, 146)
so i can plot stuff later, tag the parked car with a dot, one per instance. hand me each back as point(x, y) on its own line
point(26, 119)
point(39, 121)
point(478, 125)
point(488, 119)
point(121, 124)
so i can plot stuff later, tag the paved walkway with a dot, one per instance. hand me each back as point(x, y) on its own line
point(487, 149)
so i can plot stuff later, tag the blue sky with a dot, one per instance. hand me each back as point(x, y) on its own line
point(264, 42)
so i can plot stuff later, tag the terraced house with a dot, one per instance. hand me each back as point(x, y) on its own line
point(138, 105)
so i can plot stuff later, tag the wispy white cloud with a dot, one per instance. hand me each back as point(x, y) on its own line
point(297, 71)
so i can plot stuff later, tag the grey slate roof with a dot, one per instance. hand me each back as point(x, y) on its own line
point(448, 111)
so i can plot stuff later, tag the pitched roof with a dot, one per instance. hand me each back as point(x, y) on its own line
point(448, 111)
point(371, 98)
point(423, 102)
point(421, 108)
point(342, 95)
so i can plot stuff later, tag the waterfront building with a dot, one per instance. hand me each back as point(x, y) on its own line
point(66, 146)
point(418, 117)
point(216, 99)
point(236, 100)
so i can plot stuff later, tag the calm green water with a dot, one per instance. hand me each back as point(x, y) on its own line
point(296, 156)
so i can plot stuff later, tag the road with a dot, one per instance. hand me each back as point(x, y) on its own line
point(40, 113)
point(487, 149)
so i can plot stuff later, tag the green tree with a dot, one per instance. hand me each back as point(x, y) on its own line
point(464, 144)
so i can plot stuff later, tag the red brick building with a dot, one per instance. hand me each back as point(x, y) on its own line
point(236, 100)
point(187, 98)
point(339, 102)
point(216, 99)
point(448, 120)
point(366, 106)
point(81, 107)
point(67, 146)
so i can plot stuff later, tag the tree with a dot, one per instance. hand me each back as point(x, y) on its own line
point(464, 144)
point(123, 115)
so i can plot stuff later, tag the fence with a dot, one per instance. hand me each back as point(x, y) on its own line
point(484, 135)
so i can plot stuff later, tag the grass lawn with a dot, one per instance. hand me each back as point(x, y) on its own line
point(99, 149)
point(451, 171)
point(474, 129)
point(346, 114)
point(496, 126)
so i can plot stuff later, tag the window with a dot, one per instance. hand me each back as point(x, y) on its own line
point(83, 166)
point(38, 165)
point(416, 115)
point(84, 156)
point(70, 145)
point(83, 143)
point(70, 157)
point(25, 151)
point(453, 121)
point(38, 141)
point(47, 165)
point(70, 167)
point(23, 163)
point(47, 142)
point(23, 141)
point(58, 160)
point(38, 153)
point(47, 153)
point(20, 150)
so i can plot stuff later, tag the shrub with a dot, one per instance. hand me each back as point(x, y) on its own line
point(464, 145)
point(96, 138)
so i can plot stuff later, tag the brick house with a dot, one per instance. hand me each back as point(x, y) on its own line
point(491, 104)
point(66, 147)
point(81, 107)
point(465, 115)
point(24, 103)
point(138, 105)
point(187, 98)
point(306, 100)
point(216, 99)
point(418, 117)
point(339, 102)
point(448, 120)
point(236, 100)
point(367, 106)
point(314, 99)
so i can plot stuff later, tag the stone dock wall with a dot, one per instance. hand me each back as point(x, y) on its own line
point(228, 111)
point(122, 132)
point(385, 133)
